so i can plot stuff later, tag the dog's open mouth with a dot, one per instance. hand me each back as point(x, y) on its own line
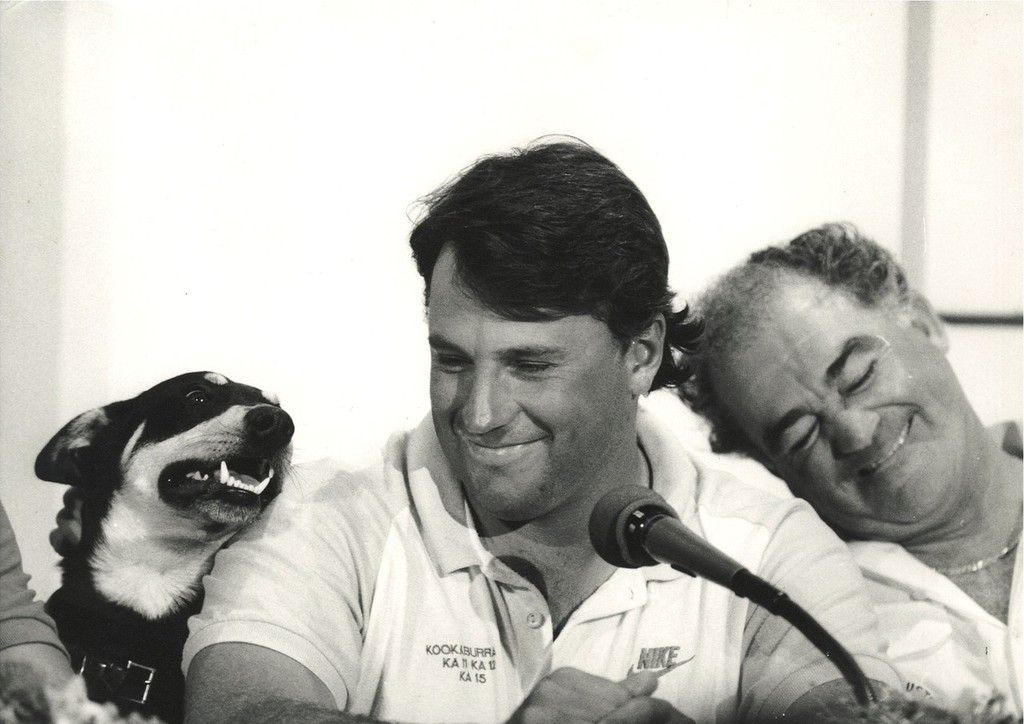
point(246, 475)
point(236, 478)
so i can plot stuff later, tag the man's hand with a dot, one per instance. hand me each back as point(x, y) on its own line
point(570, 696)
point(66, 537)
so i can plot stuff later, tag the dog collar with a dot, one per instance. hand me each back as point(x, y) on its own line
point(109, 680)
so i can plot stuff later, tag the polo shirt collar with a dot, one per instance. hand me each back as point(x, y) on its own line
point(438, 501)
point(674, 475)
point(894, 566)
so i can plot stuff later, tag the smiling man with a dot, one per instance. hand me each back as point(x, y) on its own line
point(457, 581)
point(821, 362)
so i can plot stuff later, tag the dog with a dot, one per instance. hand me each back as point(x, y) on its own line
point(165, 480)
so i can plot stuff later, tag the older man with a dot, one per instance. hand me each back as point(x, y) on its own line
point(457, 581)
point(821, 362)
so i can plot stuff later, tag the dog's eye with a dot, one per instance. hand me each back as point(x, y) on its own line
point(196, 396)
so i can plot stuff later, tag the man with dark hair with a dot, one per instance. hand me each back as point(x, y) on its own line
point(458, 581)
point(821, 362)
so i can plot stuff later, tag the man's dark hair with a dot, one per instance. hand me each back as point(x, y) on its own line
point(552, 230)
point(837, 255)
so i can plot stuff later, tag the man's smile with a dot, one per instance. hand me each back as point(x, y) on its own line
point(500, 450)
point(888, 453)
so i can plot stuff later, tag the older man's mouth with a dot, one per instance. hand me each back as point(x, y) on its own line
point(889, 451)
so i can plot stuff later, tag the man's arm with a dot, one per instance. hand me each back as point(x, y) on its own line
point(242, 682)
point(28, 636)
point(248, 684)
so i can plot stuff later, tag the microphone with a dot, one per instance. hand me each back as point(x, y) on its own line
point(632, 527)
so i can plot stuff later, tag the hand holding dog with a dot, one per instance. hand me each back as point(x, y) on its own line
point(568, 695)
point(68, 534)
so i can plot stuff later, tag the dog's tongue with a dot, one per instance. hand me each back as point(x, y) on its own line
point(240, 480)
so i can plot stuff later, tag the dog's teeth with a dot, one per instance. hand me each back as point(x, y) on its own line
point(230, 480)
point(258, 489)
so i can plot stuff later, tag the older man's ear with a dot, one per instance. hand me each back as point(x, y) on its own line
point(918, 313)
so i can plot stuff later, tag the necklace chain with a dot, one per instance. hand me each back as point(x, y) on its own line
point(983, 563)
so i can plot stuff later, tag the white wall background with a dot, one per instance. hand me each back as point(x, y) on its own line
point(227, 185)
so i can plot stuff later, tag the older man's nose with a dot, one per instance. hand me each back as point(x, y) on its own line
point(852, 430)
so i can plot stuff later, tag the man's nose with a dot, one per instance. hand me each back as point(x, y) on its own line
point(852, 430)
point(488, 403)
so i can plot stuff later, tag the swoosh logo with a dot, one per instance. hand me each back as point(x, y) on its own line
point(660, 672)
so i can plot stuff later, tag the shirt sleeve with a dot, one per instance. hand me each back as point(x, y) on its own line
point(812, 566)
point(22, 618)
point(299, 581)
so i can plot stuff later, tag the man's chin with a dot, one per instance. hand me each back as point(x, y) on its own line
point(500, 498)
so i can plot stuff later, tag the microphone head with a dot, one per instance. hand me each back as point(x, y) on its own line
point(616, 524)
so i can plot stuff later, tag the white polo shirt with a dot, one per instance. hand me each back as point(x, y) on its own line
point(377, 582)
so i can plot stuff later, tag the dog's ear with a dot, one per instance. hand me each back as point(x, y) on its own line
point(67, 457)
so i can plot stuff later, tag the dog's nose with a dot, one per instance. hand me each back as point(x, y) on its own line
point(269, 425)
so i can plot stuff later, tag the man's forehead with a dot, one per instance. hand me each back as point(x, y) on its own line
point(805, 312)
point(448, 292)
point(803, 295)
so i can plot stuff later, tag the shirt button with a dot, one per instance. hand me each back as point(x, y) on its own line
point(535, 620)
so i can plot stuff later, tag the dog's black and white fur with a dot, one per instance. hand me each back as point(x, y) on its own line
point(165, 480)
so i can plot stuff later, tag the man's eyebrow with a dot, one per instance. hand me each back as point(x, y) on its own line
point(436, 342)
point(534, 350)
point(853, 344)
